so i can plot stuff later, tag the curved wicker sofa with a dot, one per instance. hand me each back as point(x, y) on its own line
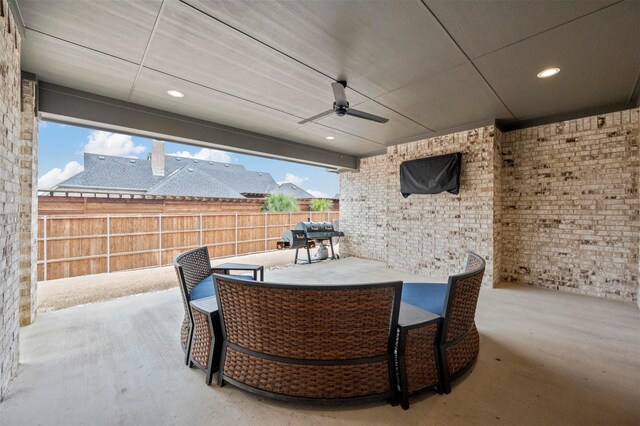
point(305, 342)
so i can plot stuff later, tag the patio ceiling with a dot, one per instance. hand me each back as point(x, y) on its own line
point(261, 67)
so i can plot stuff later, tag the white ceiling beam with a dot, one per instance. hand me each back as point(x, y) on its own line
point(75, 107)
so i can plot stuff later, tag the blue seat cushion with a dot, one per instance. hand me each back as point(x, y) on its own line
point(205, 287)
point(427, 296)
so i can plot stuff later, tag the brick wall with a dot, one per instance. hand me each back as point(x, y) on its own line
point(9, 194)
point(498, 213)
point(571, 205)
point(449, 225)
point(364, 209)
point(426, 234)
point(554, 206)
point(28, 203)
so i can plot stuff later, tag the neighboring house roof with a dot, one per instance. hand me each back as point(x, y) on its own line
point(191, 182)
point(291, 190)
point(245, 182)
point(233, 175)
point(173, 163)
point(105, 172)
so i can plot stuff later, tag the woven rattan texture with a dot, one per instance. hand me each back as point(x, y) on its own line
point(196, 266)
point(460, 355)
point(186, 323)
point(202, 339)
point(462, 309)
point(308, 381)
point(308, 323)
point(184, 331)
point(420, 357)
point(473, 262)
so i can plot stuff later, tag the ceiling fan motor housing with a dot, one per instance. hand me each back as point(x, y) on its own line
point(341, 110)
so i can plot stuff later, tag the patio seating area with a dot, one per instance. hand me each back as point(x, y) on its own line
point(528, 371)
point(328, 343)
point(509, 129)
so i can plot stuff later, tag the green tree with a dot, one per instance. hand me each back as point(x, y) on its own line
point(321, 204)
point(280, 203)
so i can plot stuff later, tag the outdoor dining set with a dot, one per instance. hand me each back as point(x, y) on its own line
point(327, 343)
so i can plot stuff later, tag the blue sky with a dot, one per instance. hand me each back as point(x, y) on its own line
point(61, 149)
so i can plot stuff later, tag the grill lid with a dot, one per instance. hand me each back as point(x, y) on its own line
point(311, 227)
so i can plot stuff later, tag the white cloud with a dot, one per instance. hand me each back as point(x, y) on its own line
point(317, 194)
point(57, 175)
point(107, 143)
point(291, 178)
point(206, 154)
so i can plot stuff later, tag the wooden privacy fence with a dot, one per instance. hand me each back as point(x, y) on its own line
point(70, 246)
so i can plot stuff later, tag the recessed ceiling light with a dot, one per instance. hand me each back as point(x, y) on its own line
point(175, 93)
point(331, 137)
point(549, 72)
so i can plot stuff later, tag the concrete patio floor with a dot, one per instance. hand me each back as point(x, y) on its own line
point(66, 292)
point(545, 358)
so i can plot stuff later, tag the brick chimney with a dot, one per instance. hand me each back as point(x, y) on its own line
point(157, 158)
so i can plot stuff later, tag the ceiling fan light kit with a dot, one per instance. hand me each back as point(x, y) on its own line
point(341, 107)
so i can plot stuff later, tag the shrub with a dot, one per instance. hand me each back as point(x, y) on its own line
point(321, 204)
point(280, 203)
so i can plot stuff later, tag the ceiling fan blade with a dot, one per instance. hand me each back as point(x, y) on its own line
point(366, 116)
point(339, 93)
point(315, 117)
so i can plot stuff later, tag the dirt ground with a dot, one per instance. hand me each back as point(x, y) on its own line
point(67, 292)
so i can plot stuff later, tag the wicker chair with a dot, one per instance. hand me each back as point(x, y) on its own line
point(438, 339)
point(193, 268)
point(460, 341)
point(306, 342)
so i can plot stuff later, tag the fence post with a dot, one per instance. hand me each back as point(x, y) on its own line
point(236, 225)
point(159, 240)
point(201, 229)
point(290, 220)
point(108, 243)
point(266, 233)
point(44, 271)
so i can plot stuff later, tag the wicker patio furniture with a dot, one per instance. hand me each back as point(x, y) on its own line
point(194, 272)
point(206, 344)
point(308, 342)
point(226, 269)
point(418, 333)
point(460, 341)
point(457, 343)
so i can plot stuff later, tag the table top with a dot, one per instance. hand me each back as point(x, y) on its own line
point(238, 267)
point(412, 315)
point(207, 304)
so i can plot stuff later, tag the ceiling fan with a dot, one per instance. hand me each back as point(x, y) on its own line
point(341, 107)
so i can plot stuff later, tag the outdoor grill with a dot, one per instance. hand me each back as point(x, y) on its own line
point(307, 234)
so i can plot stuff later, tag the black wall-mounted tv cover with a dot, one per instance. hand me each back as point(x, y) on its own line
point(431, 175)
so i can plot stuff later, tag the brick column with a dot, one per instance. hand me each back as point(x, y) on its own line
point(28, 164)
point(9, 195)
